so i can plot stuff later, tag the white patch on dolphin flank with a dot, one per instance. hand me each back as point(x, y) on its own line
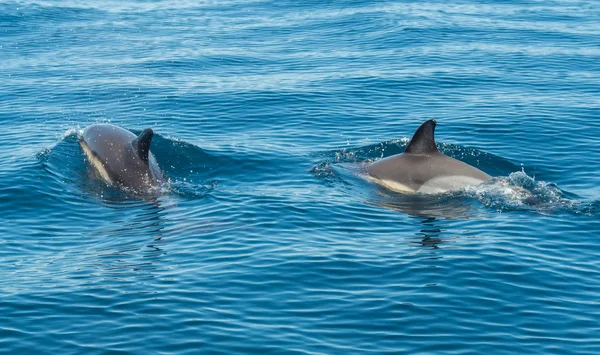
point(448, 183)
point(433, 186)
point(390, 184)
point(96, 163)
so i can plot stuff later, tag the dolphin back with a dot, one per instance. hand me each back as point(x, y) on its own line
point(120, 157)
point(423, 168)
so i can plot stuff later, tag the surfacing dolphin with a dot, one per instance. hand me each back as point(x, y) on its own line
point(120, 158)
point(423, 168)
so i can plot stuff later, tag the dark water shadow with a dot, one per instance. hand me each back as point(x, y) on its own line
point(431, 234)
point(446, 206)
point(133, 240)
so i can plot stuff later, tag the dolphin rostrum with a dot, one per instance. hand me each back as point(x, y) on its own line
point(423, 168)
point(120, 158)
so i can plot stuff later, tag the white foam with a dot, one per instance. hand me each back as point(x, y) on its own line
point(72, 131)
point(519, 190)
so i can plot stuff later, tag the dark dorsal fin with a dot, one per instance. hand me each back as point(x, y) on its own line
point(423, 142)
point(142, 144)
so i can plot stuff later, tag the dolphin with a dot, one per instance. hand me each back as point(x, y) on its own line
point(120, 158)
point(423, 168)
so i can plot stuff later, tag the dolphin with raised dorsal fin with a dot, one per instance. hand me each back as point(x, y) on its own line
point(423, 168)
point(120, 158)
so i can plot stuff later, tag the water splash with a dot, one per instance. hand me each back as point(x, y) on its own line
point(72, 132)
point(519, 191)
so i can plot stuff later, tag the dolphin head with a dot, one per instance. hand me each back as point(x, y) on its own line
point(120, 157)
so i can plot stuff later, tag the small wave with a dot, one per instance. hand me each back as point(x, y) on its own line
point(325, 172)
point(72, 133)
point(191, 190)
point(366, 153)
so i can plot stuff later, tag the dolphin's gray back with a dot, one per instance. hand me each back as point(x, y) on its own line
point(111, 146)
point(428, 173)
point(423, 168)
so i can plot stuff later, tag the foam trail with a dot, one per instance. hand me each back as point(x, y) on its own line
point(520, 191)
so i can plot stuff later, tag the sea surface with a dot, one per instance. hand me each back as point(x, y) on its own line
point(267, 239)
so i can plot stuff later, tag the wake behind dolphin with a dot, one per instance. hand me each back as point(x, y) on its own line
point(120, 158)
point(423, 168)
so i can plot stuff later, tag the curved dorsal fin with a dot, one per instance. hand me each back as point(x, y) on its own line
point(142, 144)
point(422, 141)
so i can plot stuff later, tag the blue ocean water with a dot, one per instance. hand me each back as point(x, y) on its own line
point(265, 239)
